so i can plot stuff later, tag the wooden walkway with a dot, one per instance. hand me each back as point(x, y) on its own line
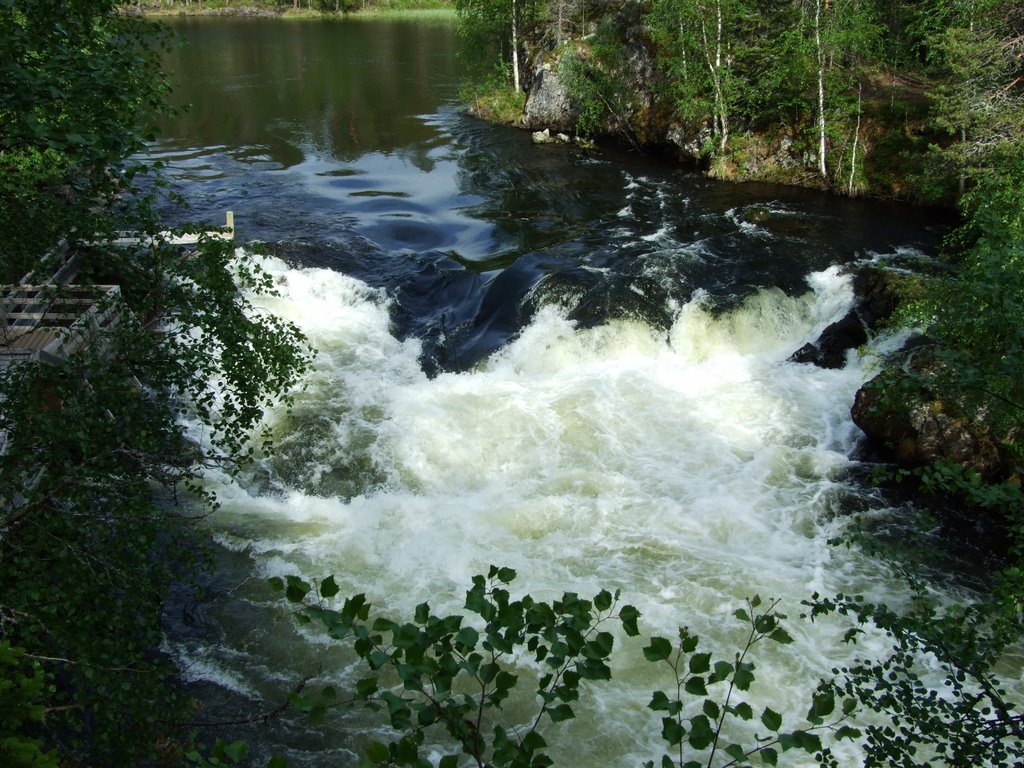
point(128, 238)
point(48, 323)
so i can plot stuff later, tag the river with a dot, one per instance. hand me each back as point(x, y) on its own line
point(571, 363)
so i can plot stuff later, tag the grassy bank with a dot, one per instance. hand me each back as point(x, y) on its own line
point(304, 10)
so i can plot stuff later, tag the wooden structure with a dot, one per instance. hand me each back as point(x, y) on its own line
point(49, 323)
point(129, 238)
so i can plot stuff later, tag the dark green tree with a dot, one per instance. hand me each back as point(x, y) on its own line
point(92, 450)
point(698, 41)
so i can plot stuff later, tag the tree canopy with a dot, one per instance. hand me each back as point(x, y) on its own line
point(92, 451)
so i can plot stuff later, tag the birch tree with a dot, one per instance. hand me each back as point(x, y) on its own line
point(844, 34)
point(819, 49)
point(698, 39)
point(492, 27)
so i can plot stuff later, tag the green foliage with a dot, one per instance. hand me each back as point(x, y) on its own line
point(974, 310)
point(494, 98)
point(743, 64)
point(918, 25)
point(777, 72)
point(451, 675)
point(977, 101)
point(213, 349)
point(82, 89)
point(22, 689)
point(961, 716)
point(976, 314)
point(87, 444)
point(945, 478)
point(35, 187)
point(85, 550)
point(486, 28)
point(224, 754)
point(695, 41)
point(717, 684)
point(592, 74)
point(440, 673)
point(90, 543)
point(583, 81)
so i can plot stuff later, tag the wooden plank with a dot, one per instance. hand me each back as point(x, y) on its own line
point(30, 322)
point(37, 338)
point(130, 238)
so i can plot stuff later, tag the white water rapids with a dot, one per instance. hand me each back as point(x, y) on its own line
point(688, 470)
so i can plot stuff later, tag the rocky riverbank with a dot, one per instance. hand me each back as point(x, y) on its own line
point(910, 414)
point(575, 86)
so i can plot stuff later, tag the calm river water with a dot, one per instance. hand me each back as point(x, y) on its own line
point(573, 364)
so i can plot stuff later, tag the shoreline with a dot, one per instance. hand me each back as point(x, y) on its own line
point(425, 10)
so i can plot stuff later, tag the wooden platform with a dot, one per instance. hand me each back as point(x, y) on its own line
point(168, 238)
point(49, 323)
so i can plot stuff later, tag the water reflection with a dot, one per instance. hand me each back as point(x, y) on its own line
point(337, 137)
point(338, 87)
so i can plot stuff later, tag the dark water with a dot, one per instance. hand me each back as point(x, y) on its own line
point(635, 438)
point(343, 144)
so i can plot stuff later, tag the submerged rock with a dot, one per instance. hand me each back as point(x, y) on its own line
point(876, 300)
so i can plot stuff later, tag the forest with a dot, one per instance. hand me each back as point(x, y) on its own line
point(902, 98)
point(920, 100)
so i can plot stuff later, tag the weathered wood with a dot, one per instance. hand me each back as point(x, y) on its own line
point(50, 323)
point(227, 232)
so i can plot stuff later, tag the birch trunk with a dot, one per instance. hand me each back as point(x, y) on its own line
point(856, 139)
point(715, 69)
point(822, 167)
point(515, 48)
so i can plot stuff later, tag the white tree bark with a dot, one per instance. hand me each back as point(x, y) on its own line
point(822, 167)
point(515, 48)
point(856, 139)
point(714, 61)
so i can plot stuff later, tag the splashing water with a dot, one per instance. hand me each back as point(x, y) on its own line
point(687, 469)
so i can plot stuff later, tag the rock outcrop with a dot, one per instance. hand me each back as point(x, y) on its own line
point(903, 411)
point(636, 116)
point(905, 417)
point(548, 104)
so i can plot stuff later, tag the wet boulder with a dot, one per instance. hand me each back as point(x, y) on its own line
point(877, 295)
point(829, 351)
point(902, 416)
point(876, 298)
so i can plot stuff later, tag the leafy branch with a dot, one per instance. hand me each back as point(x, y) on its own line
point(696, 673)
point(967, 718)
point(438, 671)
